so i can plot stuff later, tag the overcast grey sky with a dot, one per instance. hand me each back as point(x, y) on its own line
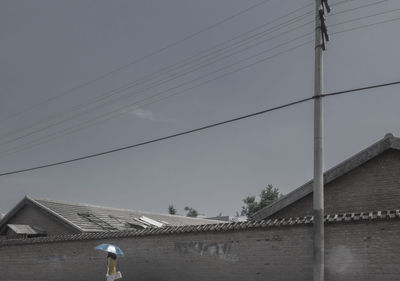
point(49, 47)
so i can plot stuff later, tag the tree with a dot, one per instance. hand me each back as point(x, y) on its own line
point(191, 212)
point(171, 210)
point(268, 195)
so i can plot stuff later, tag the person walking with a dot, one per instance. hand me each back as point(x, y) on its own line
point(112, 252)
point(112, 272)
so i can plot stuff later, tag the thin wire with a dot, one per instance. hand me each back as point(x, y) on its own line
point(244, 67)
point(200, 128)
point(358, 8)
point(365, 17)
point(154, 140)
point(159, 93)
point(173, 76)
point(167, 70)
point(217, 71)
point(151, 54)
point(257, 35)
point(73, 89)
point(96, 122)
point(184, 72)
point(342, 2)
point(366, 25)
point(113, 114)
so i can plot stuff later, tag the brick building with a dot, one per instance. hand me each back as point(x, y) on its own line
point(367, 181)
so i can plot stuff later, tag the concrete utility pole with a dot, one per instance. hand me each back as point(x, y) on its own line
point(318, 188)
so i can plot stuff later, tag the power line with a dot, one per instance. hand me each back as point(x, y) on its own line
point(36, 131)
point(183, 72)
point(171, 77)
point(151, 54)
point(200, 128)
point(154, 140)
point(361, 89)
point(359, 7)
point(167, 70)
point(116, 112)
point(113, 114)
point(163, 91)
point(177, 42)
point(366, 25)
point(12, 151)
point(342, 2)
point(366, 17)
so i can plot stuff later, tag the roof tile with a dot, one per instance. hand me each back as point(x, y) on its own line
point(91, 218)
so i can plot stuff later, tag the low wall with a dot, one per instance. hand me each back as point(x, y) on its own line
point(363, 250)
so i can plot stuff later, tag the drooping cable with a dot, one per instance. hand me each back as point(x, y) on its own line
point(201, 128)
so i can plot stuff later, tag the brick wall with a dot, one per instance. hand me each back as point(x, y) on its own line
point(373, 186)
point(354, 251)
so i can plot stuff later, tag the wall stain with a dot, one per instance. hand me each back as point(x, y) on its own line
point(54, 258)
point(221, 250)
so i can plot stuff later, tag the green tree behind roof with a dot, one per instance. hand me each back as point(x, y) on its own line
point(171, 210)
point(191, 212)
point(268, 195)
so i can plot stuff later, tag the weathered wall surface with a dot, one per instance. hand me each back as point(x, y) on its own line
point(373, 186)
point(33, 216)
point(354, 251)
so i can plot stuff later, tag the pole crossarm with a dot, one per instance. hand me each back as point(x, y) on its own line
point(323, 6)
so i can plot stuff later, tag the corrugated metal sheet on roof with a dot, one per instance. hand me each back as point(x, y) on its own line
point(23, 229)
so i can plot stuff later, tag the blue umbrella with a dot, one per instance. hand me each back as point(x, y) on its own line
point(110, 249)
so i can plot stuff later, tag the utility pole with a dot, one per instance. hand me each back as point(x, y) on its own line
point(321, 36)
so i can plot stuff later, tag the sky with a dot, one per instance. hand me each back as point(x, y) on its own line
point(82, 77)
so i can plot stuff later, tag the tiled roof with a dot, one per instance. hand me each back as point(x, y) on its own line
point(388, 142)
point(210, 228)
point(91, 218)
point(110, 218)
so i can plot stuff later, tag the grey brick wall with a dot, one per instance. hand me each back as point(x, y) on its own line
point(373, 186)
point(354, 252)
